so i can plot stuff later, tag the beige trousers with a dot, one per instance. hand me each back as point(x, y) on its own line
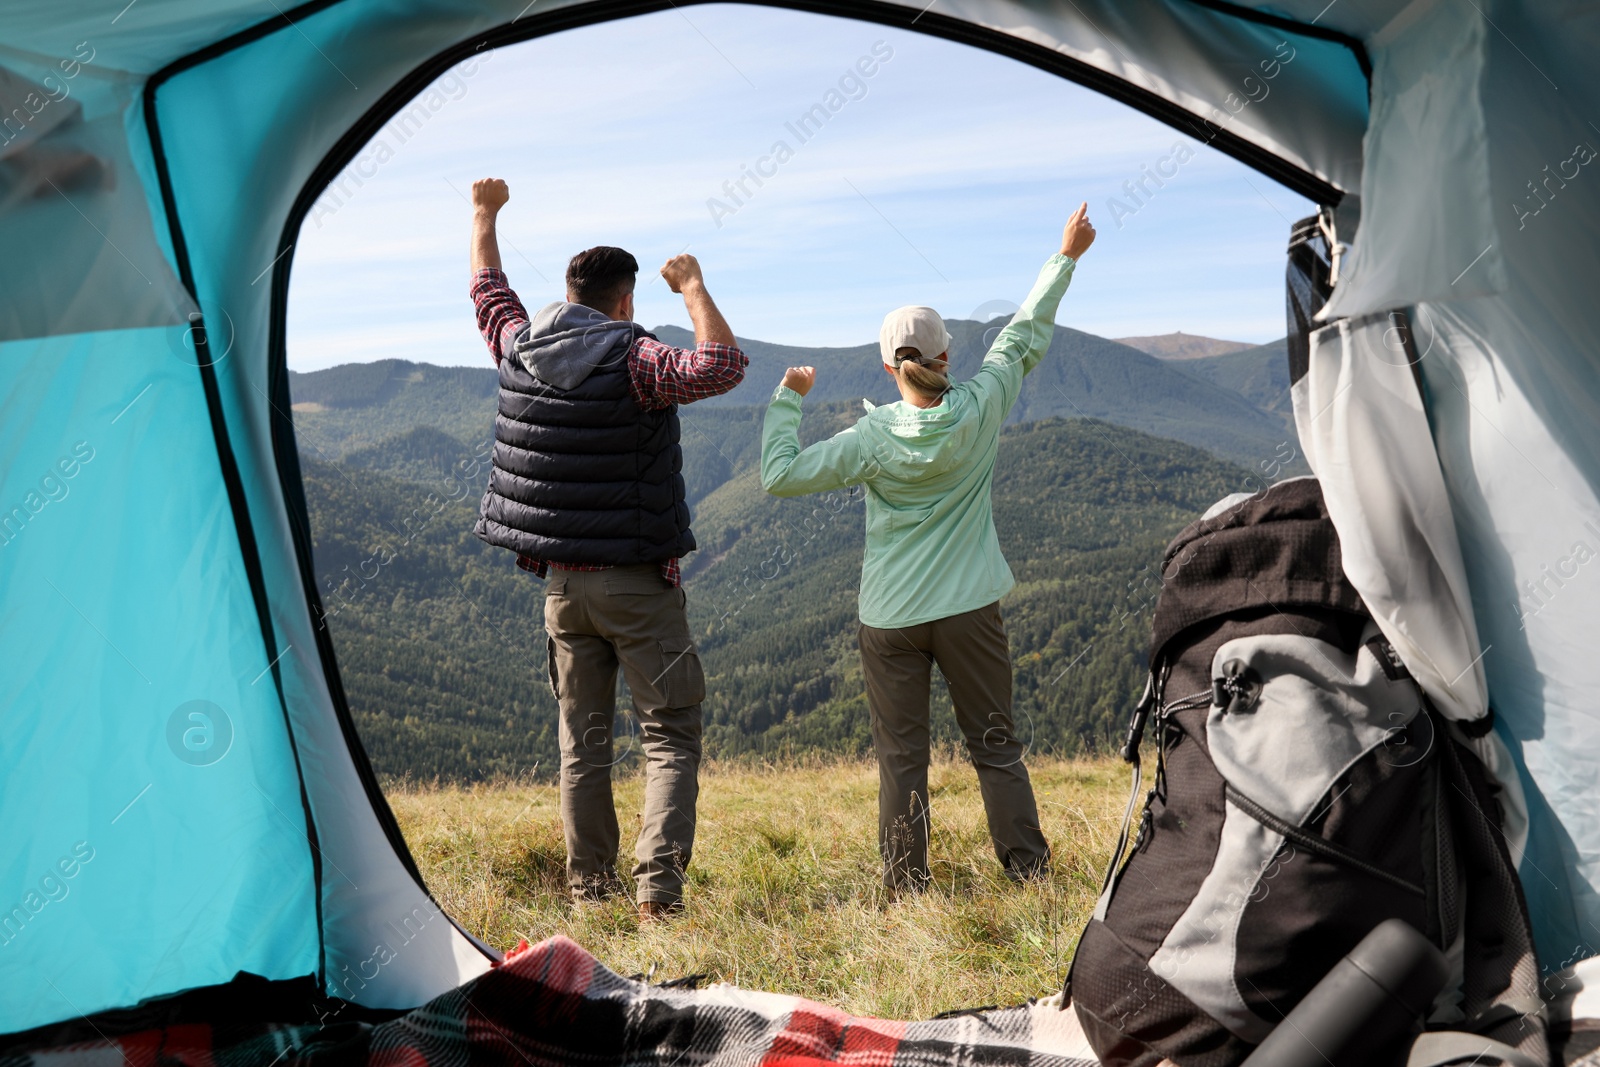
point(973, 654)
point(633, 619)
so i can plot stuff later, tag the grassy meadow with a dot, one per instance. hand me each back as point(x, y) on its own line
point(784, 892)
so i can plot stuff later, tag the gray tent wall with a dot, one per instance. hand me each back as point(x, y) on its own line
point(233, 140)
point(1476, 560)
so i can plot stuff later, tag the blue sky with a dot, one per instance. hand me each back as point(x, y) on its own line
point(942, 179)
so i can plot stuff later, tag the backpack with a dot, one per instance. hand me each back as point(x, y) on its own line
point(1304, 792)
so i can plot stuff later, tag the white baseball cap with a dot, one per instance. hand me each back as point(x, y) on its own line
point(912, 327)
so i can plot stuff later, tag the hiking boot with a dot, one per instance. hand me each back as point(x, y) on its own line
point(597, 889)
point(903, 884)
point(1037, 873)
point(654, 911)
point(909, 889)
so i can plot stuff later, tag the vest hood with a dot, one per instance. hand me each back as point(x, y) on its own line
point(565, 343)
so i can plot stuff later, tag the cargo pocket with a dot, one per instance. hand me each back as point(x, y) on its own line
point(682, 683)
point(553, 669)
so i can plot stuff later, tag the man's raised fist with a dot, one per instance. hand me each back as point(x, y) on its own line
point(490, 194)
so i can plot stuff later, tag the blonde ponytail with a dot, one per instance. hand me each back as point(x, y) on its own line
point(924, 376)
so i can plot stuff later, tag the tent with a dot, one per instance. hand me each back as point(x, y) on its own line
point(182, 792)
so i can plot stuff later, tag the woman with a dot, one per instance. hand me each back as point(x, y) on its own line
point(932, 575)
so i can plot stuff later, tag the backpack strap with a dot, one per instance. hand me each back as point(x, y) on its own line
point(1444, 1047)
point(1153, 686)
point(1130, 754)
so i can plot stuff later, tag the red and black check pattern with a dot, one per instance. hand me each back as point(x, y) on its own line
point(554, 1005)
point(661, 375)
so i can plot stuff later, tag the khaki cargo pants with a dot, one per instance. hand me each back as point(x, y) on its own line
point(632, 618)
point(973, 654)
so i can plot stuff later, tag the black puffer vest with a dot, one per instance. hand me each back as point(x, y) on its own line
point(581, 473)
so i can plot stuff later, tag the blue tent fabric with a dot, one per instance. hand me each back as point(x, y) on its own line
point(183, 792)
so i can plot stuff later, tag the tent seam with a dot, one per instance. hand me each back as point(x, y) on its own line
point(244, 527)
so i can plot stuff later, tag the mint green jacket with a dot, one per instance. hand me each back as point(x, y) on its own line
point(932, 551)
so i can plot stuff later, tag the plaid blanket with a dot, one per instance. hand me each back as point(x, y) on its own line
point(554, 1005)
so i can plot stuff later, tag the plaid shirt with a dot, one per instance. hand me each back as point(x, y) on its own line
point(660, 376)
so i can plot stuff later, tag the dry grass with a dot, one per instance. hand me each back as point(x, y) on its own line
point(784, 890)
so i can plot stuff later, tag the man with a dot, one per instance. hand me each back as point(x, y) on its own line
point(586, 489)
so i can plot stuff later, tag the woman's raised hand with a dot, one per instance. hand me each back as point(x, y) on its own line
point(1079, 234)
point(800, 379)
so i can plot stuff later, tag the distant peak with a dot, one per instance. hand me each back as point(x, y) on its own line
point(1180, 345)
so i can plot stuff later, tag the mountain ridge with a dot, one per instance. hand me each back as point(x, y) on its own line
point(1214, 404)
point(1183, 346)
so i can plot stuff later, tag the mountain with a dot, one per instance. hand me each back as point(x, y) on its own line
point(1081, 375)
point(1259, 374)
point(357, 405)
point(422, 454)
point(1182, 345)
point(1201, 402)
point(440, 637)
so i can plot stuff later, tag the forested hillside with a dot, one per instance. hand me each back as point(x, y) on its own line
point(440, 638)
point(1083, 510)
point(360, 404)
point(441, 641)
point(1260, 375)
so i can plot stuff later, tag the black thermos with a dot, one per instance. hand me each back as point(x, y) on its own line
point(1366, 1010)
